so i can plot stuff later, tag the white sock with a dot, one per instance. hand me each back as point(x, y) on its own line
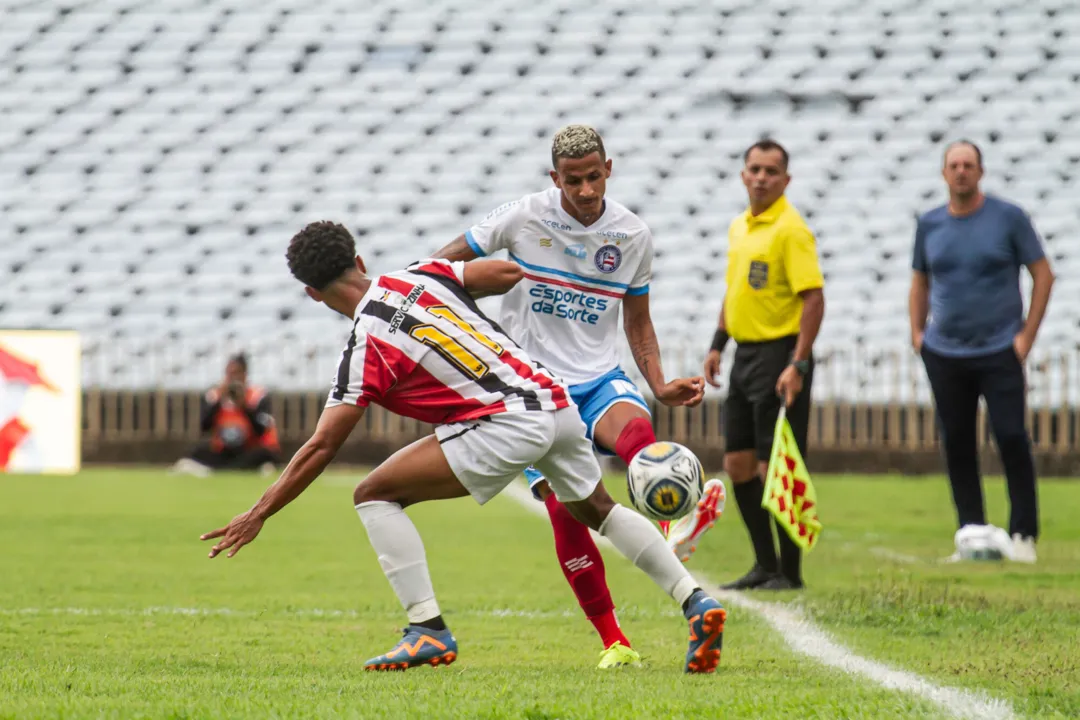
point(401, 556)
point(642, 544)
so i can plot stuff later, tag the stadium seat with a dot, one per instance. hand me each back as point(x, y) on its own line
point(154, 161)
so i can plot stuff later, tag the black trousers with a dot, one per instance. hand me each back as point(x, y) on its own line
point(752, 404)
point(957, 384)
point(232, 459)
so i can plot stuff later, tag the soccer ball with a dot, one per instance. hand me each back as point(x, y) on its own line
point(664, 480)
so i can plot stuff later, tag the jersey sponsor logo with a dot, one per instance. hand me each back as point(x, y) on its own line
point(399, 314)
point(577, 251)
point(758, 276)
point(556, 225)
point(613, 234)
point(567, 304)
point(608, 259)
point(545, 242)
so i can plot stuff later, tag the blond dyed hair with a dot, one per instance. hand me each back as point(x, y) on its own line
point(576, 141)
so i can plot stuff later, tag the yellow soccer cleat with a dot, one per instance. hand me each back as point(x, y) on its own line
point(618, 655)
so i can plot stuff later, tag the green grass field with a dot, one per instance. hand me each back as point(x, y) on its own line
point(109, 607)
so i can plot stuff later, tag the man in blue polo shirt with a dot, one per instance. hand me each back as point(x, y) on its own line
point(974, 339)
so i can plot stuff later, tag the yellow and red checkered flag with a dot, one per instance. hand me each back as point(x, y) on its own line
point(789, 494)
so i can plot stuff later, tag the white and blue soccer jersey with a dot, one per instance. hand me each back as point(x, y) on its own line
point(565, 312)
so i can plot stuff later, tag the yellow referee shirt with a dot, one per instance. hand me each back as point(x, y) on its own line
point(771, 259)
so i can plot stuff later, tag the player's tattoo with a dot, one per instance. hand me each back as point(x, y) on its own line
point(645, 349)
point(457, 250)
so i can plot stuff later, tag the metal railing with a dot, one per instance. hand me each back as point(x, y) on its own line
point(133, 416)
point(866, 399)
point(859, 374)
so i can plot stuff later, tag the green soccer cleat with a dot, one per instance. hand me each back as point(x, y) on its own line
point(618, 655)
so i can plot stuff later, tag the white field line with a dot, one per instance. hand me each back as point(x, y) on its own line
point(888, 554)
point(806, 638)
point(298, 613)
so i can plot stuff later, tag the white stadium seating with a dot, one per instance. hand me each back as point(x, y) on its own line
point(156, 157)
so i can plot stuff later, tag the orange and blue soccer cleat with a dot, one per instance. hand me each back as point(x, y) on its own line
point(420, 646)
point(706, 617)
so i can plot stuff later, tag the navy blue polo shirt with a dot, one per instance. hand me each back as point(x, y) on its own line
point(973, 265)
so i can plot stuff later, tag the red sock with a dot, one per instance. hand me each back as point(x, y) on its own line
point(583, 567)
point(637, 434)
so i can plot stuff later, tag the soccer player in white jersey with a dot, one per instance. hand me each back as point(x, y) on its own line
point(421, 347)
point(583, 256)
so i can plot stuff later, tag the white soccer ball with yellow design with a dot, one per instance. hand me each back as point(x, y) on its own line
point(665, 481)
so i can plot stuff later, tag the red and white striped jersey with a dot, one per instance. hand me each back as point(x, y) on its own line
point(421, 348)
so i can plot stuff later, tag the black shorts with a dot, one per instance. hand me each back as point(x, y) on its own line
point(752, 404)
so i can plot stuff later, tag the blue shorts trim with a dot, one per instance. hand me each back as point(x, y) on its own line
point(593, 400)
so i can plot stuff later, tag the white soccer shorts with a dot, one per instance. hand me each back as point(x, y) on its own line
point(487, 455)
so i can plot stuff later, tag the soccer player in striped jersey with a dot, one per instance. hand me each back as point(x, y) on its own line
point(421, 347)
point(583, 256)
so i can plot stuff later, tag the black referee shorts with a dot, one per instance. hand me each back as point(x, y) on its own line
point(752, 404)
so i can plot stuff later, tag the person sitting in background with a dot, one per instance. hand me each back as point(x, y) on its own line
point(242, 433)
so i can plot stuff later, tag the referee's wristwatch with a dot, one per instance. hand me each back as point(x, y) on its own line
point(801, 366)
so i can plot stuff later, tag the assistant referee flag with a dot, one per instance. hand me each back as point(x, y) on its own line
point(789, 493)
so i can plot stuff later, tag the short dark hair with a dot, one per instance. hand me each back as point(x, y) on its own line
point(765, 145)
point(240, 359)
point(958, 143)
point(321, 253)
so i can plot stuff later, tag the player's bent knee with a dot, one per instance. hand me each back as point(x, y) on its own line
point(361, 494)
point(593, 510)
point(542, 489)
point(369, 491)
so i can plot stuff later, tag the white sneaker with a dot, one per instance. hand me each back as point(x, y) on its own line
point(187, 466)
point(980, 543)
point(683, 535)
point(1023, 549)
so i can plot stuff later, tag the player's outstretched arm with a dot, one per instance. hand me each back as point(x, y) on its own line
point(641, 336)
point(456, 251)
point(491, 277)
point(308, 463)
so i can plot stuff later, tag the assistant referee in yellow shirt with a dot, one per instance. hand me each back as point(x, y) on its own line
point(772, 309)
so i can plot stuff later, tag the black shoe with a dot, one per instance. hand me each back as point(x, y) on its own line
point(757, 577)
point(779, 582)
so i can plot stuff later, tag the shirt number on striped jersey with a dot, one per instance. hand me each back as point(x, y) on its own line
point(454, 352)
point(444, 312)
